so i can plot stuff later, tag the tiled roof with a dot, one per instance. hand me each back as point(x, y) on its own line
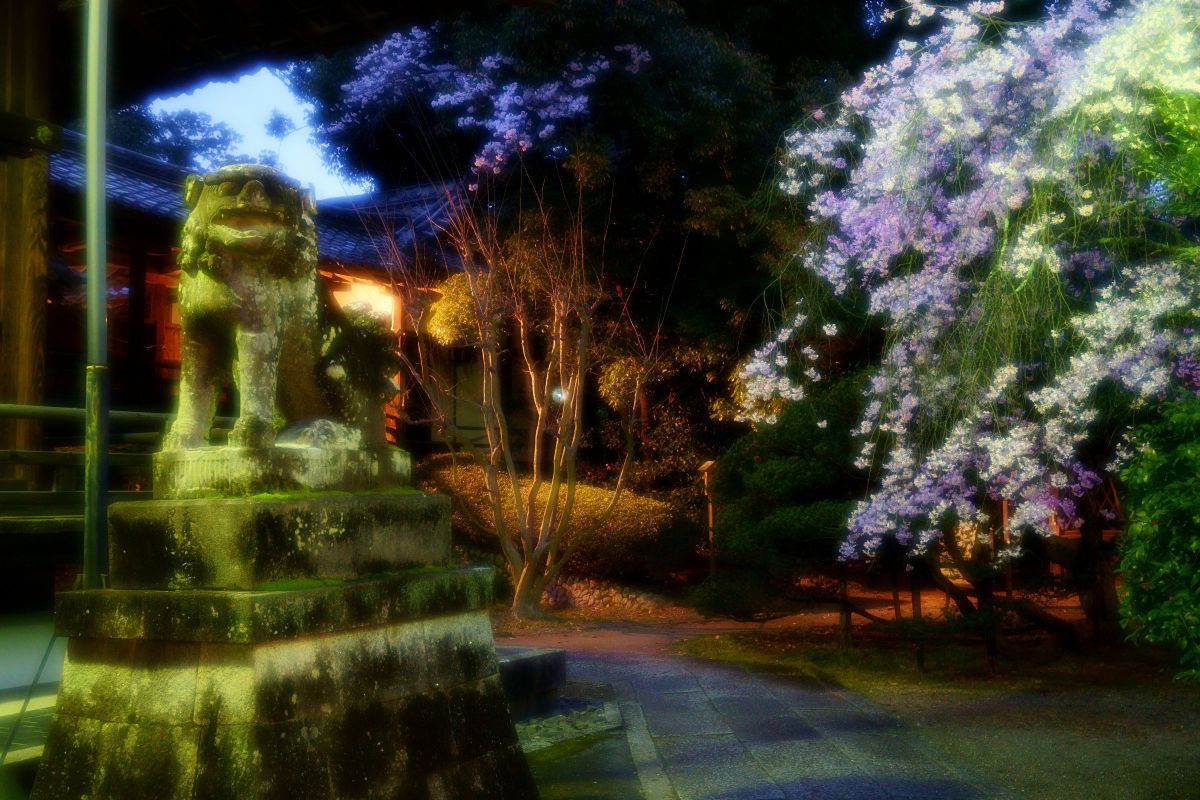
point(364, 229)
point(360, 230)
point(134, 180)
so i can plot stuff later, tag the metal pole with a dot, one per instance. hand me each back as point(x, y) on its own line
point(96, 404)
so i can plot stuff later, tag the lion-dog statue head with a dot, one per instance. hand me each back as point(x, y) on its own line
point(250, 211)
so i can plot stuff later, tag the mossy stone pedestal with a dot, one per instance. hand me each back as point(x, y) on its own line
point(240, 471)
point(288, 647)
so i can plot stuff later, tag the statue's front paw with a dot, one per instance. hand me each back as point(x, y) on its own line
point(252, 432)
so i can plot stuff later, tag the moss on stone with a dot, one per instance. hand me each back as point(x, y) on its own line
point(310, 494)
point(251, 616)
point(297, 583)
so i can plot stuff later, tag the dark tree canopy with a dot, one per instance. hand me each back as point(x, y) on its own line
point(187, 139)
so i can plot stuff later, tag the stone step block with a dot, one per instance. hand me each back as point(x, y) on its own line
point(405, 701)
point(240, 617)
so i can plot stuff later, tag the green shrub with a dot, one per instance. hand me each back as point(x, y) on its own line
point(1160, 552)
point(784, 491)
point(742, 595)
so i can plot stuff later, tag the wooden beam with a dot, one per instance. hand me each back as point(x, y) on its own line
point(71, 458)
point(41, 526)
point(24, 91)
point(72, 499)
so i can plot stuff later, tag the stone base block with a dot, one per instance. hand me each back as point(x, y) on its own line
point(243, 471)
point(243, 543)
point(409, 707)
point(533, 677)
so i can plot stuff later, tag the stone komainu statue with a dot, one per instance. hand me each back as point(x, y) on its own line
point(249, 298)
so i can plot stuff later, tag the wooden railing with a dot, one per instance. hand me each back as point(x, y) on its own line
point(60, 509)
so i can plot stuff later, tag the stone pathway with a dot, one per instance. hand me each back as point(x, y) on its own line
point(23, 642)
point(701, 731)
point(30, 735)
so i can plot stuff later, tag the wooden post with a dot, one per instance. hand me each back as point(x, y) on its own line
point(25, 91)
point(897, 612)
point(915, 584)
point(137, 365)
point(706, 470)
point(844, 625)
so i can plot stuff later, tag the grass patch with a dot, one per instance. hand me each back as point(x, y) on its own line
point(594, 767)
point(880, 659)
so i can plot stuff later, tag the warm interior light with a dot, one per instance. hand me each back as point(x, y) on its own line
point(375, 298)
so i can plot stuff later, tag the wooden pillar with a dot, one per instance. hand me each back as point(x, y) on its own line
point(24, 90)
point(916, 615)
point(137, 367)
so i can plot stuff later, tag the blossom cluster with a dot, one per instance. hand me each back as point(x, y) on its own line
point(986, 155)
point(766, 378)
point(513, 112)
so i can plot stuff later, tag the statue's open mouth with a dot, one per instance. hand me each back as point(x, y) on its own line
point(242, 227)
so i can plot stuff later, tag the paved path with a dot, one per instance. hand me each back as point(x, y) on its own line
point(701, 731)
point(23, 643)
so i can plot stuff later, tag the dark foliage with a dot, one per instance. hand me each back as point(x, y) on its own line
point(187, 139)
point(1160, 551)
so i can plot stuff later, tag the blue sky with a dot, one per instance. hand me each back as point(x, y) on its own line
point(245, 104)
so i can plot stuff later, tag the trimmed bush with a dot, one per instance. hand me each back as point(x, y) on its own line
point(642, 541)
point(784, 491)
